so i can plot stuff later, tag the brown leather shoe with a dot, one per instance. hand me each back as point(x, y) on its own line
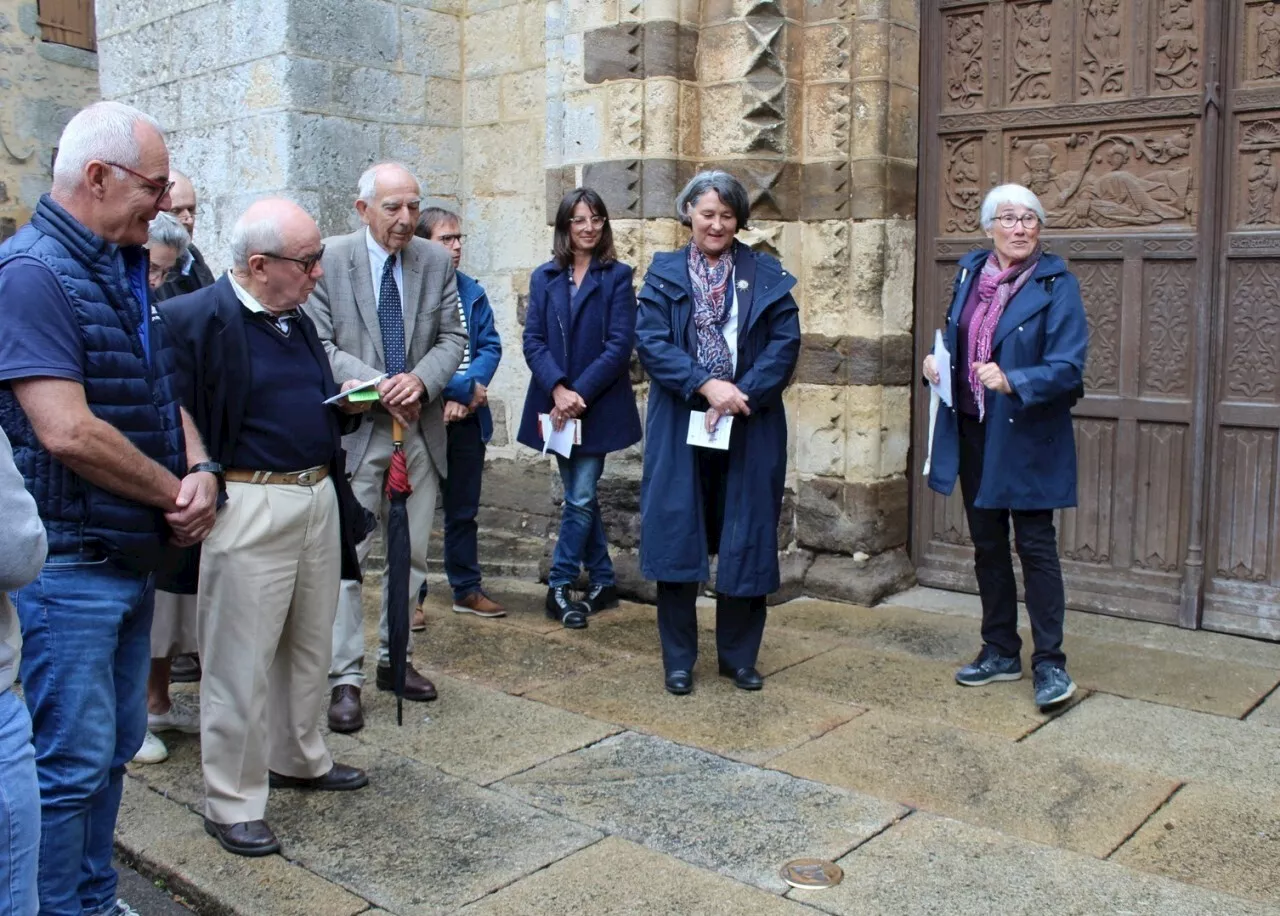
point(416, 687)
point(480, 604)
point(251, 838)
point(419, 621)
point(345, 714)
point(340, 778)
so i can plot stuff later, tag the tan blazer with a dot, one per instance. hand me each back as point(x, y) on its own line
point(345, 312)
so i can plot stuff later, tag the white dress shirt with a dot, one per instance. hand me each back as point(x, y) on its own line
point(730, 327)
point(377, 262)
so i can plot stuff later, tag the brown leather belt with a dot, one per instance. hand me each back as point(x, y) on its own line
point(308, 478)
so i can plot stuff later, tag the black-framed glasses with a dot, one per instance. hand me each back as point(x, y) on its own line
point(1029, 220)
point(160, 187)
point(451, 238)
point(307, 264)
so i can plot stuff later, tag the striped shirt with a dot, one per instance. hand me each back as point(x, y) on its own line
point(466, 349)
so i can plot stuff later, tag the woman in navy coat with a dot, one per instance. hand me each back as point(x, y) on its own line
point(579, 331)
point(1017, 335)
point(718, 331)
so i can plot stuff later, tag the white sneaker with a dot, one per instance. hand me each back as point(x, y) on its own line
point(177, 719)
point(152, 750)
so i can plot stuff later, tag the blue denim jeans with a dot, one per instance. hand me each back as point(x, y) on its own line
point(582, 541)
point(19, 810)
point(460, 493)
point(86, 629)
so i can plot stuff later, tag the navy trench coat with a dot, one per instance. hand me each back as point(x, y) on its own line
point(585, 345)
point(673, 531)
point(1040, 344)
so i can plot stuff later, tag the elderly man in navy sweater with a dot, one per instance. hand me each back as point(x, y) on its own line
point(88, 400)
point(255, 377)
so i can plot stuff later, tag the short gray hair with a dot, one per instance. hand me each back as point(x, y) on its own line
point(166, 230)
point(104, 131)
point(1014, 194)
point(254, 236)
point(730, 190)
point(365, 189)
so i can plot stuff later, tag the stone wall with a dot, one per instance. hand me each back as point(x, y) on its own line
point(42, 85)
point(502, 105)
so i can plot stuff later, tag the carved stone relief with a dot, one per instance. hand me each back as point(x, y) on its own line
point(1100, 290)
point(1104, 65)
point(962, 189)
point(1253, 364)
point(1177, 59)
point(1258, 163)
point(1107, 179)
point(765, 117)
point(1166, 332)
point(1032, 58)
point(1263, 34)
point(965, 61)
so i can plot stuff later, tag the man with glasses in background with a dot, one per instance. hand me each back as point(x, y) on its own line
point(388, 305)
point(191, 272)
point(255, 377)
point(89, 401)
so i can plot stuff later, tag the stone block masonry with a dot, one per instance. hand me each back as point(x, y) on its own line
point(503, 105)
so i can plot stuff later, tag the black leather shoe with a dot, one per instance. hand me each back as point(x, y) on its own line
point(679, 682)
point(340, 778)
point(345, 715)
point(416, 687)
point(571, 614)
point(743, 678)
point(251, 838)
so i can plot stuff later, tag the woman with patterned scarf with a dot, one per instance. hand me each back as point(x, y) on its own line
point(718, 333)
point(1017, 335)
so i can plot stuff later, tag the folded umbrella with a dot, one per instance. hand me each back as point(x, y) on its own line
point(399, 561)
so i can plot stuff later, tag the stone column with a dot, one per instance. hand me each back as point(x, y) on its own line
point(291, 97)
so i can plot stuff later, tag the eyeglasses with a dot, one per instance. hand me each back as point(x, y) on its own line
point(579, 221)
point(450, 238)
point(1029, 220)
point(161, 188)
point(307, 264)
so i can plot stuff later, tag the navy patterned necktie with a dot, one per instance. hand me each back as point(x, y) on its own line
point(391, 319)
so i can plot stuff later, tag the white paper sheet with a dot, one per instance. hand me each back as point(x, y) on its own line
point(698, 435)
point(933, 421)
point(942, 361)
point(562, 442)
point(361, 387)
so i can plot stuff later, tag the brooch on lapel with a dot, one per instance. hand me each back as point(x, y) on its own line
point(743, 284)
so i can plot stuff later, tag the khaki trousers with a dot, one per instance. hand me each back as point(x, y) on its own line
point(269, 574)
point(173, 628)
point(348, 627)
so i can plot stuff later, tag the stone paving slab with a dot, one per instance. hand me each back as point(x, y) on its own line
point(919, 688)
point(1268, 712)
point(752, 726)
point(633, 630)
point(929, 865)
point(1171, 678)
point(732, 818)
point(475, 732)
point(418, 841)
point(617, 878)
point(1178, 743)
point(1062, 800)
point(508, 657)
point(1216, 838)
point(165, 837)
point(884, 628)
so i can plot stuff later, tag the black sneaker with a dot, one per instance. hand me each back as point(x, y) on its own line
point(1053, 684)
point(602, 598)
point(989, 666)
point(571, 614)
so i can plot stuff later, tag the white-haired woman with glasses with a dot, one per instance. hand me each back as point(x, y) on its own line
point(1017, 336)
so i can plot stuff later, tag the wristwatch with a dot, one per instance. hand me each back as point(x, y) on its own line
point(210, 467)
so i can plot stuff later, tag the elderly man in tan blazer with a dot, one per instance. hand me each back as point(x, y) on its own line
point(388, 303)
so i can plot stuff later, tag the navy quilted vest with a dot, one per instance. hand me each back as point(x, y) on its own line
point(135, 397)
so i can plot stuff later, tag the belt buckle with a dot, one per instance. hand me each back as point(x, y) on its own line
point(306, 478)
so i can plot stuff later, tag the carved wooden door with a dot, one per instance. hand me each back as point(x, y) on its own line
point(1099, 106)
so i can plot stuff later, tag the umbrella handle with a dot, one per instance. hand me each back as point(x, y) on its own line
point(397, 432)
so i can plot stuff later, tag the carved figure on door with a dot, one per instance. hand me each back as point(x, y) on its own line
point(963, 190)
point(1121, 197)
point(1263, 181)
point(1031, 52)
point(1176, 64)
point(1268, 30)
point(1051, 187)
point(1103, 53)
point(964, 59)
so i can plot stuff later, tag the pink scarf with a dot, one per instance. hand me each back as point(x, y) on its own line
point(995, 288)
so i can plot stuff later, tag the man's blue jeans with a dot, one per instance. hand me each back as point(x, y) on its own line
point(582, 541)
point(86, 629)
point(19, 810)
